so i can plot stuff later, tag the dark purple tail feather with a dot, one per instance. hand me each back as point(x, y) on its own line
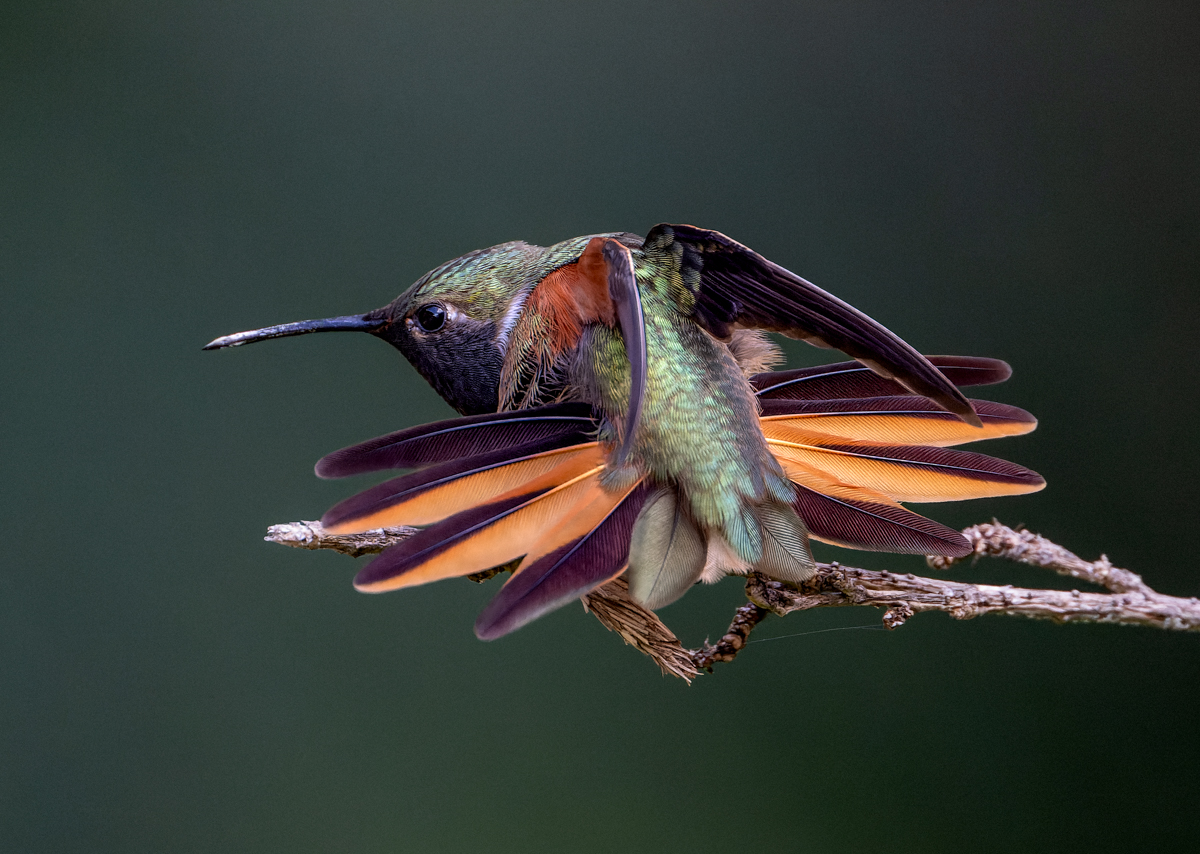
point(988, 411)
point(408, 486)
point(568, 423)
point(564, 574)
point(949, 460)
point(429, 542)
point(876, 527)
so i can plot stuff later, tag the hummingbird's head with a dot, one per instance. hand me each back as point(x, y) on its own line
point(454, 323)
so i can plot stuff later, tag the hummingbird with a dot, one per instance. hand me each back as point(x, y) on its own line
point(619, 416)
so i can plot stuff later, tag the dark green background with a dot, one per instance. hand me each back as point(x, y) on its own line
point(1006, 180)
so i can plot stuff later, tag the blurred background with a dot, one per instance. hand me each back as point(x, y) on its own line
point(1017, 180)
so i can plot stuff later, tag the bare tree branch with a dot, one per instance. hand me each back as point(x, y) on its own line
point(996, 540)
point(1129, 600)
point(310, 535)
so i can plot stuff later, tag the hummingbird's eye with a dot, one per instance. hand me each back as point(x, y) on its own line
point(431, 317)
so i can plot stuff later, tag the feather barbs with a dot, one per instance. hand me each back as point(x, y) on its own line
point(907, 473)
point(433, 501)
point(501, 536)
point(551, 322)
point(895, 420)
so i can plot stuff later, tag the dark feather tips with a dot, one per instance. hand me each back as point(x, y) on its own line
point(566, 423)
point(876, 527)
point(921, 407)
point(564, 574)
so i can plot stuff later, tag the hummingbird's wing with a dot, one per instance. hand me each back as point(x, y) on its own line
point(627, 303)
point(729, 285)
point(853, 379)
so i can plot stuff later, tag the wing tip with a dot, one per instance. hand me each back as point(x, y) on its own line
point(987, 370)
point(954, 401)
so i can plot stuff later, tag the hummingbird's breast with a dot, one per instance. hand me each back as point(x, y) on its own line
point(699, 426)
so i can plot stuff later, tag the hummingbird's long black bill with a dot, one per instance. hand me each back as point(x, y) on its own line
point(347, 323)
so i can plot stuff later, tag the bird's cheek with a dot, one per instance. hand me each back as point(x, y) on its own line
point(462, 366)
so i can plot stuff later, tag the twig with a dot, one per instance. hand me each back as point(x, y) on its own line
point(641, 629)
point(996, 540)
point(310, 535)
point(1129, 602)
point(734, 640)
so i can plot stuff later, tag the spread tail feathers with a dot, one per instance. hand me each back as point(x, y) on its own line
point(579, 554)
point(895, 420)
point(480, 538)
point(903, 472)
point(446, 441)
point(528, 484)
